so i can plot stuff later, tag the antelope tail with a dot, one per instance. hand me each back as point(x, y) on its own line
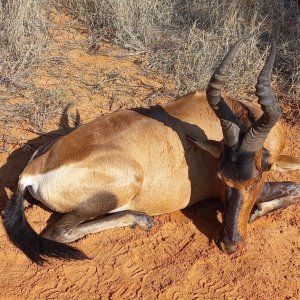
point(25, 238)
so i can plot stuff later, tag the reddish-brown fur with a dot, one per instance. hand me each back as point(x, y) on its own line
point(140, 161)
point(149, 146)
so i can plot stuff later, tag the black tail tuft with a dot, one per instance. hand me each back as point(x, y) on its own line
point(25, 238)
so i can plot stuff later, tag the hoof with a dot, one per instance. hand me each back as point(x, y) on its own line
point(144, 222)
point(255, 213)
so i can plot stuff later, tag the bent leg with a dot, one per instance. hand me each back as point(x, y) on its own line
point(274, 196)
point(71, 227)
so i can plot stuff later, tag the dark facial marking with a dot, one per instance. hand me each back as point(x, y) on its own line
point(237, 165)
point(232, 206)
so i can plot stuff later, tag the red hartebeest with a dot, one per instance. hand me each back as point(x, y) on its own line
point(143, 162)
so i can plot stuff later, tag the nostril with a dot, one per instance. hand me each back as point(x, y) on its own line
point(229, 249)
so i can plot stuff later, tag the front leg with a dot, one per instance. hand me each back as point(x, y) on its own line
point(274, 196)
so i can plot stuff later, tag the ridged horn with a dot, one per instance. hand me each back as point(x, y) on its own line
point(228, 120)
point(258, 132)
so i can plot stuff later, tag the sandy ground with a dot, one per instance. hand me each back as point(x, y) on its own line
point(178, 258)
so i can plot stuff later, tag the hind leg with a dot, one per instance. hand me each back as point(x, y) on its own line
point(71, 227)
point(121, 187)
point(274, 196)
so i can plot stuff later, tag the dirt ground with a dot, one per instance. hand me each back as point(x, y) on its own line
point(178, 258)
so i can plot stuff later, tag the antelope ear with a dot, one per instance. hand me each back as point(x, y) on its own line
point(284, 163)
point(213, 147)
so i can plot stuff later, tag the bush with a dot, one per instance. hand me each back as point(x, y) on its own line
point(187, 38)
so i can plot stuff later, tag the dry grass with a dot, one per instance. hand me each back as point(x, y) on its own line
point(184, 39)
point(45, 105)
point(37, 111)
point(187, 38)
point(23, 32)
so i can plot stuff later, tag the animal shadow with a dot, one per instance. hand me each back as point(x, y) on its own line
point(204, 217)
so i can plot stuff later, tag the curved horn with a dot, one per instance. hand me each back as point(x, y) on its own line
point(258, 132)
point(229, 121)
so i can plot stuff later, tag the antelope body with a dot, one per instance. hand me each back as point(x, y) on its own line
point(143, 162)
point(146, 165)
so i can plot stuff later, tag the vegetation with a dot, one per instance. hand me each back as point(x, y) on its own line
point(187, 38)
point(23, 33)
point(183, 39)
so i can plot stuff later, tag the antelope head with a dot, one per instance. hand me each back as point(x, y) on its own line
point(242, 158)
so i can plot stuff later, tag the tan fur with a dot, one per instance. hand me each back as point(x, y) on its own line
point(140, 158)
point(284, 163)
